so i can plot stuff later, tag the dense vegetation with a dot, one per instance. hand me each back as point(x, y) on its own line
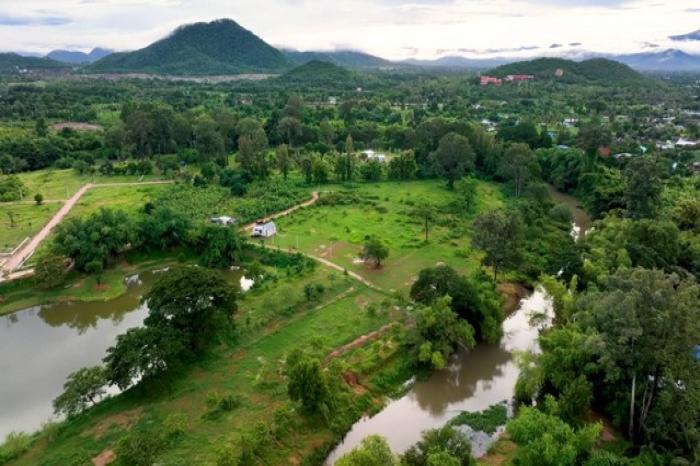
point(436, 186)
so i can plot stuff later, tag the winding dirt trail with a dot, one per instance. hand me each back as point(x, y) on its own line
point(19, 257)
point(312, 201)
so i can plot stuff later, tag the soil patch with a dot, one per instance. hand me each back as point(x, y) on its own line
point(104, 458)
point(512, 294)
point(123, 420)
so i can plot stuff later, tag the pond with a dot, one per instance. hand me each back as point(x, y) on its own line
point(474, 381)
point(40, 346)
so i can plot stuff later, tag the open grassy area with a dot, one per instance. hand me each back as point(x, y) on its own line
point(126, 198)
point(62, 184)
point(28, 219)
point(250, 370)
point(337, 232)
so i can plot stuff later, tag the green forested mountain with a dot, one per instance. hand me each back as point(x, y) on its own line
point(218, 47)
point(11, 63)
point(346, 58)
point(319, 72)
point(598, 70)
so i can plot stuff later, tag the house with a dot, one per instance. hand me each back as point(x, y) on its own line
point(682, 142)
point(696, 167)
point(264, 230)
point(332, 100)
point(562, 146)
point(371, 155)
point(604, 151)
point(668, 145)
point(223, 220)
point(487, 80)
point(623, 155)
point(519, 78)
point(570, 122)
point(559, 72)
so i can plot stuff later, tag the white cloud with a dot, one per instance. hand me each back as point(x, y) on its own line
point(391, 28)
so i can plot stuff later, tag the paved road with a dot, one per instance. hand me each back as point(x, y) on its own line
point(19, 257)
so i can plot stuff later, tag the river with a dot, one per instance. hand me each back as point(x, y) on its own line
point(474, 380)
point(40, 346)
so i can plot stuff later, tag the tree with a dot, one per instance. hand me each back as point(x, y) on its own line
point(403, 166)
point(284, 162)
point(290, 127)
point(219, 246)
point(372, 170)
point(474, 299)
point(444, 446)
point(544, 439)
point(373, 451)
point(162, 228)
point(41, 127)
point(453, 158)
point(499, 234)
point(425, 212)
point(466, 191)
point(643, 187)
point(50, 270)
point(38, 198)
point(308, 383)
point(375, 250)
point(320, 171)
point(101, 237)
point(439, 332)
point(95, 268)
point(82, 390)
point(518, 165)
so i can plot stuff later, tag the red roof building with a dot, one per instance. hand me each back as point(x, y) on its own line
point(487, 80)
point(519, 77)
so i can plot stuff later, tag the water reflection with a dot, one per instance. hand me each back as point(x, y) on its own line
point(40, 346)
point(474, 381)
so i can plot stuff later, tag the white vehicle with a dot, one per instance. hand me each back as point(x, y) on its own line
point(264, 230)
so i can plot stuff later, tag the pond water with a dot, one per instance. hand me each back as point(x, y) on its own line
point(581, 220)
point(474, 381)
point(40, 346)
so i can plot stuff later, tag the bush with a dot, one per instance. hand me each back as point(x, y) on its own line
point(16, 443)
point(139, 448)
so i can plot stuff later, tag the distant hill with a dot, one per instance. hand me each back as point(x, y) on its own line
point(346, 58)
point(74, 57)
point(664, 60)
point(11, 63)
point(595, 70)
point(321, 73)
point(218, 47)
point(695, 35)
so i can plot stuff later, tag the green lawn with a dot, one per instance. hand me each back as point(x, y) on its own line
point(126, 198)
point(337, 232)
point(28, 220)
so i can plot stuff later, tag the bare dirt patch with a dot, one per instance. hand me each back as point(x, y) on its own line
point(104, 458)
point(123, 420)
point(77, 126)
point(512, 294)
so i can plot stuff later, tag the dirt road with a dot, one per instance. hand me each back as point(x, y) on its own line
point(314, 198)
point(18, 258)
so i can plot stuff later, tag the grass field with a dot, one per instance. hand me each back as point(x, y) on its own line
point(337, 233)
point(28, 220)
point(126, 198)
point(62, 184)
point(251, 370)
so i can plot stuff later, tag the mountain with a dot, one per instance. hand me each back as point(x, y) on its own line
point(218, 47)
point(74, 57)
point(346, 58)
point(320, 73)
point(665, 60)
point(595, 70)
point(11, 63)
point(695, 35)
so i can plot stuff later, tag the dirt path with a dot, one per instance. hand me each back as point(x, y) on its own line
point(25, 252)
point(312, 201)
point(356, 343)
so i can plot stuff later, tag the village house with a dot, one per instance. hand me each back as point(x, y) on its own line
point(223, 220)
point(519, 78)
point(488, 80)
point(369, 154)
point(264, 230)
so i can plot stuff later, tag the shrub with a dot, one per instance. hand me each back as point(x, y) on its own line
point(15, 444)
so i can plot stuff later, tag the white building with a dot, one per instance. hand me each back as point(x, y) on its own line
point(223, 220)
point(264, 230)
point(371, 155)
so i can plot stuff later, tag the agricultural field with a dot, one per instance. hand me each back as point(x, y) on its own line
point(126, 198)
point(384, 210)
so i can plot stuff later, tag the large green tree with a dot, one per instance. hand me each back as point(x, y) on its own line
point(453, 158)
point(499, 234)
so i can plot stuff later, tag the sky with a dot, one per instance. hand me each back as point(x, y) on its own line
point(394, 29)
